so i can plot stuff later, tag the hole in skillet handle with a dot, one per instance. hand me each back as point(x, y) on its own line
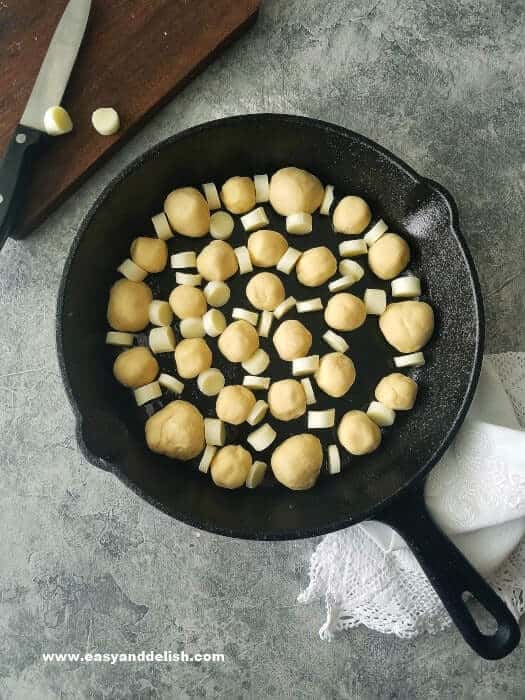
point(453, 578)
point(103, 439)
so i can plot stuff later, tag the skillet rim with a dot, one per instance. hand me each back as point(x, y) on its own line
point(420, 473)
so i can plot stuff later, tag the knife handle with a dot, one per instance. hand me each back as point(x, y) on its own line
point(13, 176)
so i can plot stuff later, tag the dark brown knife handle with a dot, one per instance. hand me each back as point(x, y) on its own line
point(14, 172)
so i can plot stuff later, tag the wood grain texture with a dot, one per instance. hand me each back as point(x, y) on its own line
point(134, 57)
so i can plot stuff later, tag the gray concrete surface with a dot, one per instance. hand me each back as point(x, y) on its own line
point(84, 564)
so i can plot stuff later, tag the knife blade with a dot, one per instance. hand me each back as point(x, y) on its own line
point(48, 91)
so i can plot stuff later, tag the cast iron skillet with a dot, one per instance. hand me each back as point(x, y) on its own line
point(387, 485)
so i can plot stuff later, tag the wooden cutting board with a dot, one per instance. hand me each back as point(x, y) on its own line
point(135, 55)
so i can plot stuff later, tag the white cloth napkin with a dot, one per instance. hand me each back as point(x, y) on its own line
point(476, 494)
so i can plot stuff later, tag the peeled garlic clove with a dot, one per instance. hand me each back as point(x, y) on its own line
point(415, 359)
point(217, 293)
point(299, 224)
point(146, 393)
point(337, 342)
point(212, 195)
point(192, 328)
point(255, 475)
point(406, 287)
point(119, 338)
point(262, 188)
point(305, 365)
point(375, 233)
point(160, 313)
point(375, 301)
point(352, 269)
point(106, 121)
point(257, 363)
point(381, 414)
point(243, 259)
point(262, 438)
point(221, 225)
point(258, 412)
point(161, 339)
point(284, 307)
point(255, 219)
point(265, 324)
point(334, 460)
point(57, 121)
point(321, 419)
point(309, 391)
point(207, 458)
point(289, 260)
point(211, 381)
point(245, 315)
point(328, 200)
point(354, 248)
point(171, 383)
point(341, 283)
point(180, 261)
point(190, 280)
point(162, 227)
point(256, 383)
point(214, 432)
point(308, 305)
point(214, 323)
point(132, 271)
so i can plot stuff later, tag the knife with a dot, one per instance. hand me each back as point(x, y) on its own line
point(48, 91)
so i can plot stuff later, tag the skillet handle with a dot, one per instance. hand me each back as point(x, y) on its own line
point(451, 576)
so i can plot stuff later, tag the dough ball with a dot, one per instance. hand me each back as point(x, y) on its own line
point(287, 400)
point(187, 301)
point(316, 266)
point(296, 463)
point(192, 356)
point(358, 434)
point(407, 325)
point(128, 306)
point(151, 254)
point(238, 195)
point(396, 391)
point(188, 212)
point(217, 261)
point(345, 312)
point(234, 404)
point(265, 291)
point(352, 215)
point(336, 374)
point(177, 431)
point(293, 190)
point(135, 367)
point(292, 340)
point(389, 256)
point(239, 341)
point(230, 466)
point(266, 247)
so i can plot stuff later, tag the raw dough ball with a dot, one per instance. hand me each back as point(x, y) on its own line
point(177, 431)
point(358, 433)
point(265, 291)
point(287, 399)
point(407, 325)
point(187, 301)
point(292, 340)
point(239, 341)
point(192, 356)
point(345, 312)
point(293, 191)
point(188, 212)
point(336, 374)
point(135, 367)
point(352, 215)
point(396, 391)
point(238, 195)
point(297, 461)
point(266, 247)
point(217, 262)
point(128, 306)
point(234, 404)
point(389, 256)
point(230, 466)
point(151, 254)
point(316, 266)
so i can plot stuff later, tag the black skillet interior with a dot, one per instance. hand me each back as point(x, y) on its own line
point(111, 428)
